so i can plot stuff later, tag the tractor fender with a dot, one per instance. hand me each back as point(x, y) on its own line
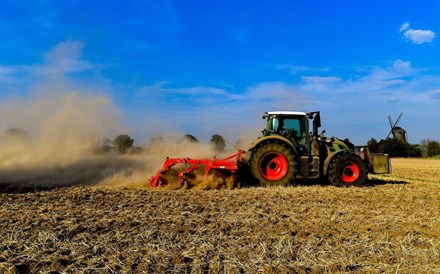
point(330, 159)
point(282, 139)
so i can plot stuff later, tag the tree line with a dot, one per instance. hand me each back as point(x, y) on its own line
point(398, 148)
point(124, 144)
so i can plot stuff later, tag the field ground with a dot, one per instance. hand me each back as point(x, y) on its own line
point(392, 225)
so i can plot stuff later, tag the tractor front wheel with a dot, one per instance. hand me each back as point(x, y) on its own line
point(347, 170)
point(273, 164)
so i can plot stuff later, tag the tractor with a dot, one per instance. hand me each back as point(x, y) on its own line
point(288, 151)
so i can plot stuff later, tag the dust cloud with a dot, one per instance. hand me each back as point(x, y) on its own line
point(48, 139)
point(52, 129)
point(53, 139)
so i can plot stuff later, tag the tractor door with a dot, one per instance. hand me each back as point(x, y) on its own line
point(294, 128)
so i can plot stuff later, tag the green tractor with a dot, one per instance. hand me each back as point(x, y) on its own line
point(288, 151)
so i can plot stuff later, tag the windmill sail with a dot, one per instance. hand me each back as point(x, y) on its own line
point(398, 132)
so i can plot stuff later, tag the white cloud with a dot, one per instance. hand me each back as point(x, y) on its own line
point(160, 87)
point(404, 26)
point(6, 74)
point(417, 36)
point(298, 69)
point(64, 58)
point(319, 80)
point(354, 107)
point(403, 67)
point(435, 94)
point(11, 77)
point(420, 36)
point(274, 95)
point(4, 70)
point(61, 63)
point(362, 103)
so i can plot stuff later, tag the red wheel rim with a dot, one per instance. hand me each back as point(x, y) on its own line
point(349, 172)
point(273, 166)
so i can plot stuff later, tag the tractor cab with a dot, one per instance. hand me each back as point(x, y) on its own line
point(286, 122)
point(293, 125)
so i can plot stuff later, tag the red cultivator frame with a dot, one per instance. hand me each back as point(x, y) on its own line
point(230, 163)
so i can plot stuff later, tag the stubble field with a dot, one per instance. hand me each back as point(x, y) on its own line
point(391, 225)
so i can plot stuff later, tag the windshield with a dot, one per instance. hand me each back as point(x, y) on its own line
point(280, 124)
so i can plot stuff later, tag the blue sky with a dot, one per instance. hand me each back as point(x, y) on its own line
point(205, 67)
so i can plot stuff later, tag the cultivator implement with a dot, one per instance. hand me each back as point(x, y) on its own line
point(229, 164)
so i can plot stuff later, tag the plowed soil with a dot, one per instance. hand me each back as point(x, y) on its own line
point(392, 225)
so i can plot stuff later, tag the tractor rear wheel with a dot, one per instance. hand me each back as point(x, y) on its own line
point(347, 170)
point(273, 164)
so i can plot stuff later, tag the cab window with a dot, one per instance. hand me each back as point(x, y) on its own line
point(293, 124)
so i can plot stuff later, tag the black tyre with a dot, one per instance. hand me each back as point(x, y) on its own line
point(347, 169)
point(273, 164)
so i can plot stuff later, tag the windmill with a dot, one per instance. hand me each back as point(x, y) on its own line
point(398, 132)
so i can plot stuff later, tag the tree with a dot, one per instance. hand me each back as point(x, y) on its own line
point(218, 142)
point(433, 148)
point(122, 143)
point(413, 150)
point(16, 131)
point(157, 140)
point(373, 145)
point(106, 145)
point(188, 138)
point(17, 134)
point(398, 148)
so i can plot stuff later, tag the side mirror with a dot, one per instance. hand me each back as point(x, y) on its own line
point(317, 120)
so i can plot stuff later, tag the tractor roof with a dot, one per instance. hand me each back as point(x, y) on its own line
point(286, 113)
